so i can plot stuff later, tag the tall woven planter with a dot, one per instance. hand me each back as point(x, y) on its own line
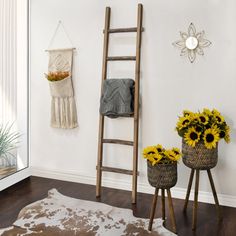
point(162, 175)
point(199, 157)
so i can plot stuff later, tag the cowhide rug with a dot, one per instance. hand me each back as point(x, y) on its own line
point(60, 215)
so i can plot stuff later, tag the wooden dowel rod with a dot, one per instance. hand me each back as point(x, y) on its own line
point(123, 30)
point(118, 141)
point(121, 58)
point(59, 49)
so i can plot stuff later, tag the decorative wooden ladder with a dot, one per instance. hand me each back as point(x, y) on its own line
point(100, 168)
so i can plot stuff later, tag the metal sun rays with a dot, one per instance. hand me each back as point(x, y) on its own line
point(192, 43)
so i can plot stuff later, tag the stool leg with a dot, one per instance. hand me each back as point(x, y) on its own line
point(153, 208)
point(171, 208)
point(215, 195)
point(188, 190)
point(163, 204)
point(195, 205)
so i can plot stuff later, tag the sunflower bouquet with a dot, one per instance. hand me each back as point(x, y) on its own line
point(207, 127)
point(159, 155)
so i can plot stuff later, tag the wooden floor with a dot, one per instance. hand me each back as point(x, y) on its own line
point(35, 188)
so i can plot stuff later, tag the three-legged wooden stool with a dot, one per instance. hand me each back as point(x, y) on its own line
point(195, 204)
point(171, 209)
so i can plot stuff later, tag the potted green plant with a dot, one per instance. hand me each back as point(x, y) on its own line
point(200, 133)
point(8, 142)
point(162, 165)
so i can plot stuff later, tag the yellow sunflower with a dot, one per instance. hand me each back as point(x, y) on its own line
point(159, 148)
point(177, 153)
point(211, 137)
point(203, 118)
point(215, 112)
point(215, 127)
point(227, 134)
point(227, 138)
point(207, 112)
point(195, 118)
point(171, 155)
point(222, 133)
point(149, 151)
point(155, 159)
point(198, 128)
point(183, 122)
point(192, 137)
point(187, 113)
point(219, 118)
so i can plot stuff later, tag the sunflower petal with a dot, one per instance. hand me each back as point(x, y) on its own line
point(191, 30)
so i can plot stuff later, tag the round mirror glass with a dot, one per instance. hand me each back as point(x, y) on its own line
point(191, 43)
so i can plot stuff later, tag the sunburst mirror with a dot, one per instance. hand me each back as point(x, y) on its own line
point(192, 43)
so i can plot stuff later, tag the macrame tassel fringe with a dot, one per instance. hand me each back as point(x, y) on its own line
point(63, 113)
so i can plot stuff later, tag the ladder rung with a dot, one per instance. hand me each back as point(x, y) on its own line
point(118, 141)
point(123, 30)
point(117, 170)
point(122, 58)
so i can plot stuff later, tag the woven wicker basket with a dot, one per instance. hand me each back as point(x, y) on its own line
point(162, 175)
point(199, 157)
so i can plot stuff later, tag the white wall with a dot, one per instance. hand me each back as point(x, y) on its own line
point(169, 84)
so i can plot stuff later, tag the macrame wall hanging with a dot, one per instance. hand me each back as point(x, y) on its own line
point(63, 107)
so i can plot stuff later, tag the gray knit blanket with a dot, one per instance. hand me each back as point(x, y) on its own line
point(117, 98)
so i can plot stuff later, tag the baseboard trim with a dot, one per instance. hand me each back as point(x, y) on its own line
point(207, 197)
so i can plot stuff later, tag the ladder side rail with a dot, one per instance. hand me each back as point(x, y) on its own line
point(136, 103)
point(101, 117)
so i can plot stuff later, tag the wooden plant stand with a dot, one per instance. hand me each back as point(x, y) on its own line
point(171, 208)
point(195, 204)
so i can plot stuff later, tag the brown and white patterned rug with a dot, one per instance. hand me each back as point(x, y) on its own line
point(61, 215)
